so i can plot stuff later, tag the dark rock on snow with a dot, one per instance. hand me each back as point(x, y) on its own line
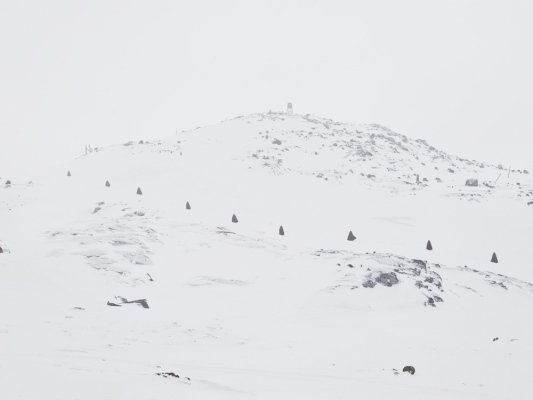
point(471, 182)
point(351, 236)
point(387, 278)
point(369, 284)
point(494, 258)
point(429, 246)
point(171, 375)
point(234, 219)
point(142, 302)
point(409, 369)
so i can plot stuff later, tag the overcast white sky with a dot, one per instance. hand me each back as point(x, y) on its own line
point(456, 73)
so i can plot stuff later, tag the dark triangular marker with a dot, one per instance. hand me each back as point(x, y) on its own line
point(139, 191)
point(351, 236)
point(107, 184)
point(234, 219)
point(494, 259)
point(281, 231)
point(187, 206)
point(429, 246)
point(1, 250)
point(68, 173)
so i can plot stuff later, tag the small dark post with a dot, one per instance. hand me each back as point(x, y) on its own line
point(234, 219)
point(107, 184)
point(494, 259)
point(281, 231)
point(187, 206)
point(139, 191)
point(429, 246)
point(68, 173)
point(351, 236)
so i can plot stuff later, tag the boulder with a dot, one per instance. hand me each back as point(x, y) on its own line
point(351, 236)
point(281, 231)
point(472, 182)
point(429, 246)
point(187, 206)
point(409, 369)
point(494, 258)
point(139, 191)
point(234, 219)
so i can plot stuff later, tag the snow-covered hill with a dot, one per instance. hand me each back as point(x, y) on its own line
point(235, 310)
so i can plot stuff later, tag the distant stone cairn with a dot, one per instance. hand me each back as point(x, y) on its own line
point(289, 109)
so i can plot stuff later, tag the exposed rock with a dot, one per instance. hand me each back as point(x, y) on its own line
point(409, 369)
point(387, 278)
point(187, 206)
point(472, 182)
point(494, 258)
point(107, 184)
point(172, 375)
point(351, 236)
point(422, 263)
point(68, 173)
point(139, 191)
point(234, 219)
point(369, 284)
point(142, 302)
point(429, 246)
point(281, 231)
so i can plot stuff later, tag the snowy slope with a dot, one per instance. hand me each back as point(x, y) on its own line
point(238, 311)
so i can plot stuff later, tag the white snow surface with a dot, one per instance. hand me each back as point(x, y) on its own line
point(239, 312)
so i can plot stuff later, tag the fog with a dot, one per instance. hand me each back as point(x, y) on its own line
point(456, 73)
